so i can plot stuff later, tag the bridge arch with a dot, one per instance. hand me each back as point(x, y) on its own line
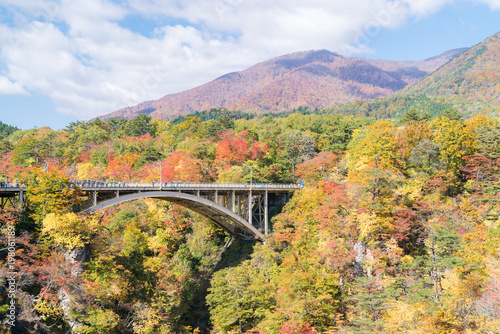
point(222, 216)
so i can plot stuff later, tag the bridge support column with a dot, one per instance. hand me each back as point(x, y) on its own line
point(21, 199)
point(250, 207)
point(216, 197)
point(95, 198)
point(266, 215)
point(117, 193)
point(233, 208)
point(239, 207)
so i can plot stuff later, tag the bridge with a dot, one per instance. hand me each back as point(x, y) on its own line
point(239, 208)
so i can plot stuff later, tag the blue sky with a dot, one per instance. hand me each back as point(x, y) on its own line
point(62, 61)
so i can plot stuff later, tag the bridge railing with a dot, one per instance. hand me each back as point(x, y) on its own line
point(168, 185)
point(4, 184)
point(183, 185)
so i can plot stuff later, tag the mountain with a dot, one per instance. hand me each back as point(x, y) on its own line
point(471, 81)
point(315, 79)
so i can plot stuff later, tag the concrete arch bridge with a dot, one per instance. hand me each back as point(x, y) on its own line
point(241, 209)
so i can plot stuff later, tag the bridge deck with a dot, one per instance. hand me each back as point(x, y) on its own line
point(165, 186)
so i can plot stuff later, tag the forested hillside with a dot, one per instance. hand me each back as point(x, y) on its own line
point(397, 229)
point(313, 79)
point(471, 81)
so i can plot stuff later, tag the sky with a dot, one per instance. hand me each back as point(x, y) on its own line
point(68, 60)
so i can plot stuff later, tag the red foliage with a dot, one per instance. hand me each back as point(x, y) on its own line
point(318, 167)
point(122, 167)
point(237, 151)
point(480, 168)
point(292, 327)
point(489, 303)
point(181, 166)
point(85, 156)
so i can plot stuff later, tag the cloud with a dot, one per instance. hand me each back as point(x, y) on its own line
point(88, 63)
point(494, 4)
point(8, 87)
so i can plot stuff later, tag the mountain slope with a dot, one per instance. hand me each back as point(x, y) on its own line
point(315, 79)
point(471, 81)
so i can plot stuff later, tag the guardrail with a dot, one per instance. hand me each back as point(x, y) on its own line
point(167, 185)
point(4, 184)
point(183, 185)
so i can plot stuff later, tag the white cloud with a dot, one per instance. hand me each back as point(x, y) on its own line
point(87, 64)
point(494, 4)
point(8, 87)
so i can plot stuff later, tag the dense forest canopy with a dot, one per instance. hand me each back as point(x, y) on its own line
point(396, 231)
point(6, 130)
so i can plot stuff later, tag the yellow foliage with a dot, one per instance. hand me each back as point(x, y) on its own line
point(154, 264)
point(162, 126)
point(87, 170)
point(307, 203)
point(48, 309)
point(407, 259)
point(469, 211)
point(367, 225)
point(478, 121)
point(156, 214)
point(370, 226)
point(376, 142)
point(68, 229)
point(401, 317)
point(147, 319)
point(456, 141)
point(412, 189)
point(231, 174)
point(160, 240)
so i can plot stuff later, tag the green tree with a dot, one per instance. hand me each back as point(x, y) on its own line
point(139, 126)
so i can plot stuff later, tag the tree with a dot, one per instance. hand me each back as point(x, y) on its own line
point(455, 142)
point(425, 157)
point(414, 116)
point(452, 114)
point(6, 130)
point(317, 168)
point(236, 303)
point(296, 147)
point(139, 126)
point(368, 303)
point(68, 229)
point(375, 142)
point(49, 192)
point(123, 167)
point(31, 151)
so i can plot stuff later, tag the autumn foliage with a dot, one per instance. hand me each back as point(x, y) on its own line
point(395, 231)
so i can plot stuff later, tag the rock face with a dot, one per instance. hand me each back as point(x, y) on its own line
point(315, 79)
point(363, 255)
point(27, 320)
point(76, 258)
